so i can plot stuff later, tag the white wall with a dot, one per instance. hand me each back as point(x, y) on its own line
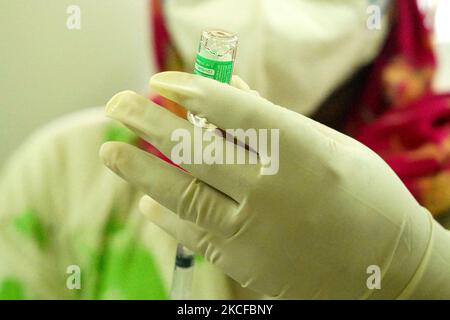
point(47, 70)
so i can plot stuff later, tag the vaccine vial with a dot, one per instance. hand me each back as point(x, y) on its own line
point(216, 54)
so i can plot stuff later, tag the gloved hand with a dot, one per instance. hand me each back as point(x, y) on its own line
point(312, 230)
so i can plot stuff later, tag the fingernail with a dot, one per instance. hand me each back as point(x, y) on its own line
point(146, 205)
point(114, 103)
point(173, 85)
point(108, 155)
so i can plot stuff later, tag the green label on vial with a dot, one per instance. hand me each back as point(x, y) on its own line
point(217, 70)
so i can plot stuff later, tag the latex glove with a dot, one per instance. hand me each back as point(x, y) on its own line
point(310, 231)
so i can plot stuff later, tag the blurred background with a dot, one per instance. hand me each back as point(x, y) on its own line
point(297, 53)
point(47, 70)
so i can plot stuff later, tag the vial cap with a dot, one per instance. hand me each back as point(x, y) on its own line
point(218, 43)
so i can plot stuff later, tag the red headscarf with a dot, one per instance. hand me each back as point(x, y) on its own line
point(401, 118)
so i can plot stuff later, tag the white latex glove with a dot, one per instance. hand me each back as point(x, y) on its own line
point(312, 230)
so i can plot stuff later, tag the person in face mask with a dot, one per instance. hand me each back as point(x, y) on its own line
point(63, 213)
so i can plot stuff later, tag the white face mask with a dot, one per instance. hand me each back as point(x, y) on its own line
point(294, 52)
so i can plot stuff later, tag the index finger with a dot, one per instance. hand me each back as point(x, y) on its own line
point(216, 101)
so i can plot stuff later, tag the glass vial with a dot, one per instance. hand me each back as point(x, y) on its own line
point(215, 60)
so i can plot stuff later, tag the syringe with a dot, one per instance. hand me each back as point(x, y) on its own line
point(215, 59)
